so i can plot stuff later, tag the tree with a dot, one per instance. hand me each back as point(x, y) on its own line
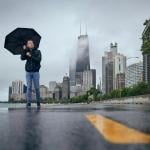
point(94, 92)
point(146, 47)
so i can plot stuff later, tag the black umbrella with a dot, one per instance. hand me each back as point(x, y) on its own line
point(15, 40)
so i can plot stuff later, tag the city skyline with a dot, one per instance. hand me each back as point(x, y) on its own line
point(106, 22)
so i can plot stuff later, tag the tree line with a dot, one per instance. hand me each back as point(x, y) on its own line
point(96, 95)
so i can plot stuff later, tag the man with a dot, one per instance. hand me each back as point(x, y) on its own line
point(32, 67)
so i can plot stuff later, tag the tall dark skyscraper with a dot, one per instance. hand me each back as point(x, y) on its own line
point(82, 59)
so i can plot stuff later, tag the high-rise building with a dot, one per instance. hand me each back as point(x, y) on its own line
point(79, 79)
point(82, 59)
point(72, 72)
point(81, 65)
point(66, 88)
point(109, 77)
point(9, 93)
point(52, 85)
point(113, 69)
point(44, 91)
point(57, 92)
point(89, 79)
point(134, 74)
point(103, 74)
point(120, 81)
point(99, 87)
point(75, 91)
point(119, 71)
point(17, 87)
point(146, 52)
point(107, 69)
point(17, 90)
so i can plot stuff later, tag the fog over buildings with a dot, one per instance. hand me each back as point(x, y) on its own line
point(58, 22)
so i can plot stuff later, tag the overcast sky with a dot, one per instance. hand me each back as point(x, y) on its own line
point(58, 21)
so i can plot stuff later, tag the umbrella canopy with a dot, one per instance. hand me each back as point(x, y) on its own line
point(15, 40)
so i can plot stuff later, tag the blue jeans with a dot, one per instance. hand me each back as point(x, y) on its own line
point(33, 77)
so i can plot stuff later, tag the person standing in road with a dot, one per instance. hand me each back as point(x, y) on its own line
point(33, 59)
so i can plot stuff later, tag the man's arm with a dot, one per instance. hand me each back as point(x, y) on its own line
point(23, 55)
point(37, 57)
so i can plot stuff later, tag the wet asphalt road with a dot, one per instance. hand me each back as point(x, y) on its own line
point(65, 127)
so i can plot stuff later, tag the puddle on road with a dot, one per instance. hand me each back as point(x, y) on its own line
point(3, 110)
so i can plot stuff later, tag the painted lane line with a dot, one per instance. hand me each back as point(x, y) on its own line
point(116, 132)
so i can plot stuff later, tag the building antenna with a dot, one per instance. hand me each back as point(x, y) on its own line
point(86, 29)
point(80, 27)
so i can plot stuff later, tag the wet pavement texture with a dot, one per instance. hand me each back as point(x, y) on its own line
point(65, 127)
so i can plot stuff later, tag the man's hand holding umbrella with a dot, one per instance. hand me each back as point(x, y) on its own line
point(27, 53)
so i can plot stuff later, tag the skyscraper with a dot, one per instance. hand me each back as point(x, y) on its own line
point(82, 59)
point(72, 71)
point(44, 91)
point(58, 92)
point(9, 93)
point(146, 52)
point(89, 79)
point(66, 88)
point(120, 81)
point(133, 74)
point(113, 69)
point(17, 90)
point(52, 85)
point(119, 71)
point(109, 77)
point(108, 69)
point(17, 87)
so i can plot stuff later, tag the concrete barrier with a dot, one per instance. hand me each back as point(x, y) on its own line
point(141, 99)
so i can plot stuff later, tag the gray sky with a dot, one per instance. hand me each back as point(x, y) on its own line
point(58, 23)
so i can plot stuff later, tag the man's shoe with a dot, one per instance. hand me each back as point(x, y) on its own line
point(38, 104)
point(28, 105)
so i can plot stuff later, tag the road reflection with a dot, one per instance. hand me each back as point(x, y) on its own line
point(31, 132)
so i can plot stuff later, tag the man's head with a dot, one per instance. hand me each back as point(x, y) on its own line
point(30, 44)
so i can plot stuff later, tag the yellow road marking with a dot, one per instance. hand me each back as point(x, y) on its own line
point(116, 132)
